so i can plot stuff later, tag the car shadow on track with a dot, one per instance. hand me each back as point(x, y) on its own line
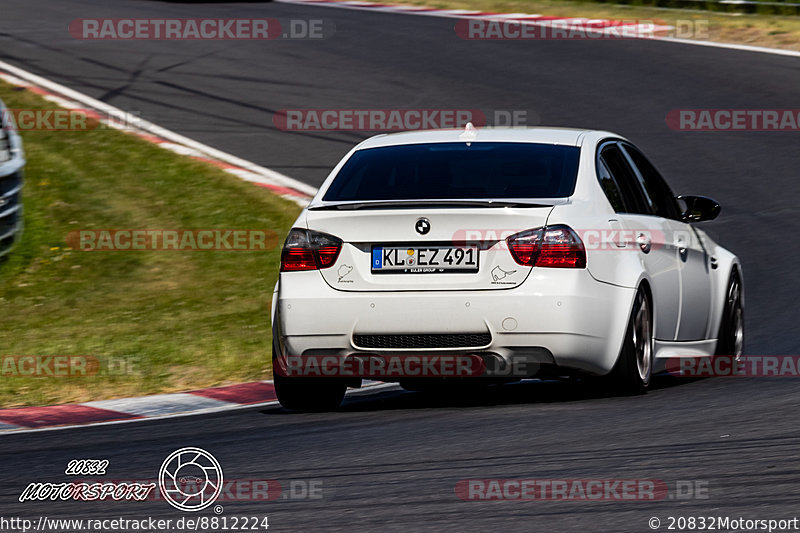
point(519, 393)
point(525, 392)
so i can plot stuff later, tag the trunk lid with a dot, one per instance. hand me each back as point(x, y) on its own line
point(369, 235)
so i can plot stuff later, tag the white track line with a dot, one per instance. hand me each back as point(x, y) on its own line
point(351, 393)
point(732, 46)
point(267, 176)
point(454, 13)
point(21, 77)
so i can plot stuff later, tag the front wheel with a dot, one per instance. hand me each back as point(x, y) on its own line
point(634, 368)
point(730, 341)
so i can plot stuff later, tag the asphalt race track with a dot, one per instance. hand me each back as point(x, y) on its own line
point(391, 460)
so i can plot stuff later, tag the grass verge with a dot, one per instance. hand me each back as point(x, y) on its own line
point(157, 321)
point(773, 31)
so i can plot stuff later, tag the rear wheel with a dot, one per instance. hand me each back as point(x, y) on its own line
point(730, 340)
point(308, 394)
point(634, 369)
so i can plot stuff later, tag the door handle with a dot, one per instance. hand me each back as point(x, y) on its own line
point(682, 249)
point(620, 240)
point(680, 244)
point(713, 261)
point(644, 242)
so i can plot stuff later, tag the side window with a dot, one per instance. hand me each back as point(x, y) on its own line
point(611, 188)
point(615, 162)
point(654, 185)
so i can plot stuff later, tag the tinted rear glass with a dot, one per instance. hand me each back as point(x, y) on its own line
point(456, 171)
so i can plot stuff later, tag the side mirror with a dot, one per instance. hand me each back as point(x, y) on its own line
point(698, 208)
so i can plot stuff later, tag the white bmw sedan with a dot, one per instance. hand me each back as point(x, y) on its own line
point(534, 252)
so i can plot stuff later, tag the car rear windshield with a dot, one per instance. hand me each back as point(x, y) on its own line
point(479, 170)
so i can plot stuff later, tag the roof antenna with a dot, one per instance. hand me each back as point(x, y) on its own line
point(469, 133)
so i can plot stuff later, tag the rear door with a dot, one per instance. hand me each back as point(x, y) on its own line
point(650, 233)
point(691, 255)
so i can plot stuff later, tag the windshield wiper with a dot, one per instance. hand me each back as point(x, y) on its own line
point(412, 204)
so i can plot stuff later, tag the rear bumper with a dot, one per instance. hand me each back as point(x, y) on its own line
point(557, 316)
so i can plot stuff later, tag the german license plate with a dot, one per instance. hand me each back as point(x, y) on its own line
point(424, 259)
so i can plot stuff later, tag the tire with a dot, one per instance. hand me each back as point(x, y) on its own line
point(308, 394)
point(730, 340)
point(634, 369)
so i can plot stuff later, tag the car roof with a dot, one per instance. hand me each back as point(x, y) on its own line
point(562, 136)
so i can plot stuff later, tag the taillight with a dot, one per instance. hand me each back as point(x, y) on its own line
point(551, 246)
point(523, 246)
point(309, 250)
